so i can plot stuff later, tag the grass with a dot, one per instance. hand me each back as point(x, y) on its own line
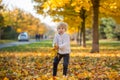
point(34, 47)
point(104, 45)
point(45, 45)
point(6, 41)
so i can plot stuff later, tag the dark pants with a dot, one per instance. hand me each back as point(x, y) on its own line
point(65, 63)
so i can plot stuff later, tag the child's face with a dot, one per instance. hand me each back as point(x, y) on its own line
point(61, 30)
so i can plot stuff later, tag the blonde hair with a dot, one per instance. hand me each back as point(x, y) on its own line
point(63, 25)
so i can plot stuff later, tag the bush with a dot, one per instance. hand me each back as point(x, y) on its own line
point(9, 33)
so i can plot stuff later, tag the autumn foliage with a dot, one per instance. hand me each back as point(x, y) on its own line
point(37, 64)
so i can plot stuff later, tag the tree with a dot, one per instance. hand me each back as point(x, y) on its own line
point(9, 33)
point(109, 29)
point(106, 7)
point(95, 42)
point(60, 7)
point(1, 19)
point(66, 9)
point(1, 24)
point(117, 32)
point(20, 21)
point(82, 34)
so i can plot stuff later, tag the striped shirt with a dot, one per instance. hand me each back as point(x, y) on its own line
point(63, 41)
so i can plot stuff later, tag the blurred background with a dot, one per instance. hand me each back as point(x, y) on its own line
point(41, 17)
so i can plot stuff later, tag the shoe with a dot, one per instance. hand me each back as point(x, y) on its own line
point(54, 78)
point(65, 77)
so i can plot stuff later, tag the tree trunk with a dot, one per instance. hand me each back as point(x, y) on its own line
point(0, 33)
point(95, 31)
point(78, 34)
point(83, 16)
point(84, 39)
point(81, 36)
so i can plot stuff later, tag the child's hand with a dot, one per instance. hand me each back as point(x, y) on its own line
point(56, 47)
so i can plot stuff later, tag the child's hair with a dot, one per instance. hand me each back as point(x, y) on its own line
point(63, 25)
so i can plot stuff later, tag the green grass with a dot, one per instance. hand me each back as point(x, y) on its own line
point(109, 44)
point(104, 45)
point(6, 41)
point(44, 46)
point(34, 47)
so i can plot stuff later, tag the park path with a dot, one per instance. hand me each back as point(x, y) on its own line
point(17, 43)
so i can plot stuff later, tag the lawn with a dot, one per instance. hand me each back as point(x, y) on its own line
point(34, 62)
point(34, 47)
point(6, 41)
point(44, 46)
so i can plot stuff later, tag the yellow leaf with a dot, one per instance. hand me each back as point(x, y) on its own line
point(38, 79)
point(77, 9)
point(73, 4)
point(19, 30)
point(5, 78)
point(53, 52)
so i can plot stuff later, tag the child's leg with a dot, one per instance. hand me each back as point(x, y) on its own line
point(55, 64)
point(65, 63)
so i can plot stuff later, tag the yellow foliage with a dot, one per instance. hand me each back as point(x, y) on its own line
point(54, 4)
point(38, 65)
point(74, 3)
point(5, 78)
point(77, 9)
point(112, 74)
point(19, 30)
point(54, 52)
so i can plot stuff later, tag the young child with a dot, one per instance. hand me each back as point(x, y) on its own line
point(61, 42)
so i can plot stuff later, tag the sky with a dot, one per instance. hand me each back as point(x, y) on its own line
point(28, 6)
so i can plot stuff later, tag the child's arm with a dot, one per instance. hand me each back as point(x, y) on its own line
point(55, 45)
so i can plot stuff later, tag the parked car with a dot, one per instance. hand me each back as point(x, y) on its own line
point(23, 36)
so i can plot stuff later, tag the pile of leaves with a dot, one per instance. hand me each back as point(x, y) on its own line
point(35, 62)
point(38, 66)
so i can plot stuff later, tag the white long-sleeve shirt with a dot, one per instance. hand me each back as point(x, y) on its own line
point(63, 41)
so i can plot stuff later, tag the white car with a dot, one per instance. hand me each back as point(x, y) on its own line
point(23, 36)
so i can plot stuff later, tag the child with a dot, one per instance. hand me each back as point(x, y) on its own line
point(61, 42)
